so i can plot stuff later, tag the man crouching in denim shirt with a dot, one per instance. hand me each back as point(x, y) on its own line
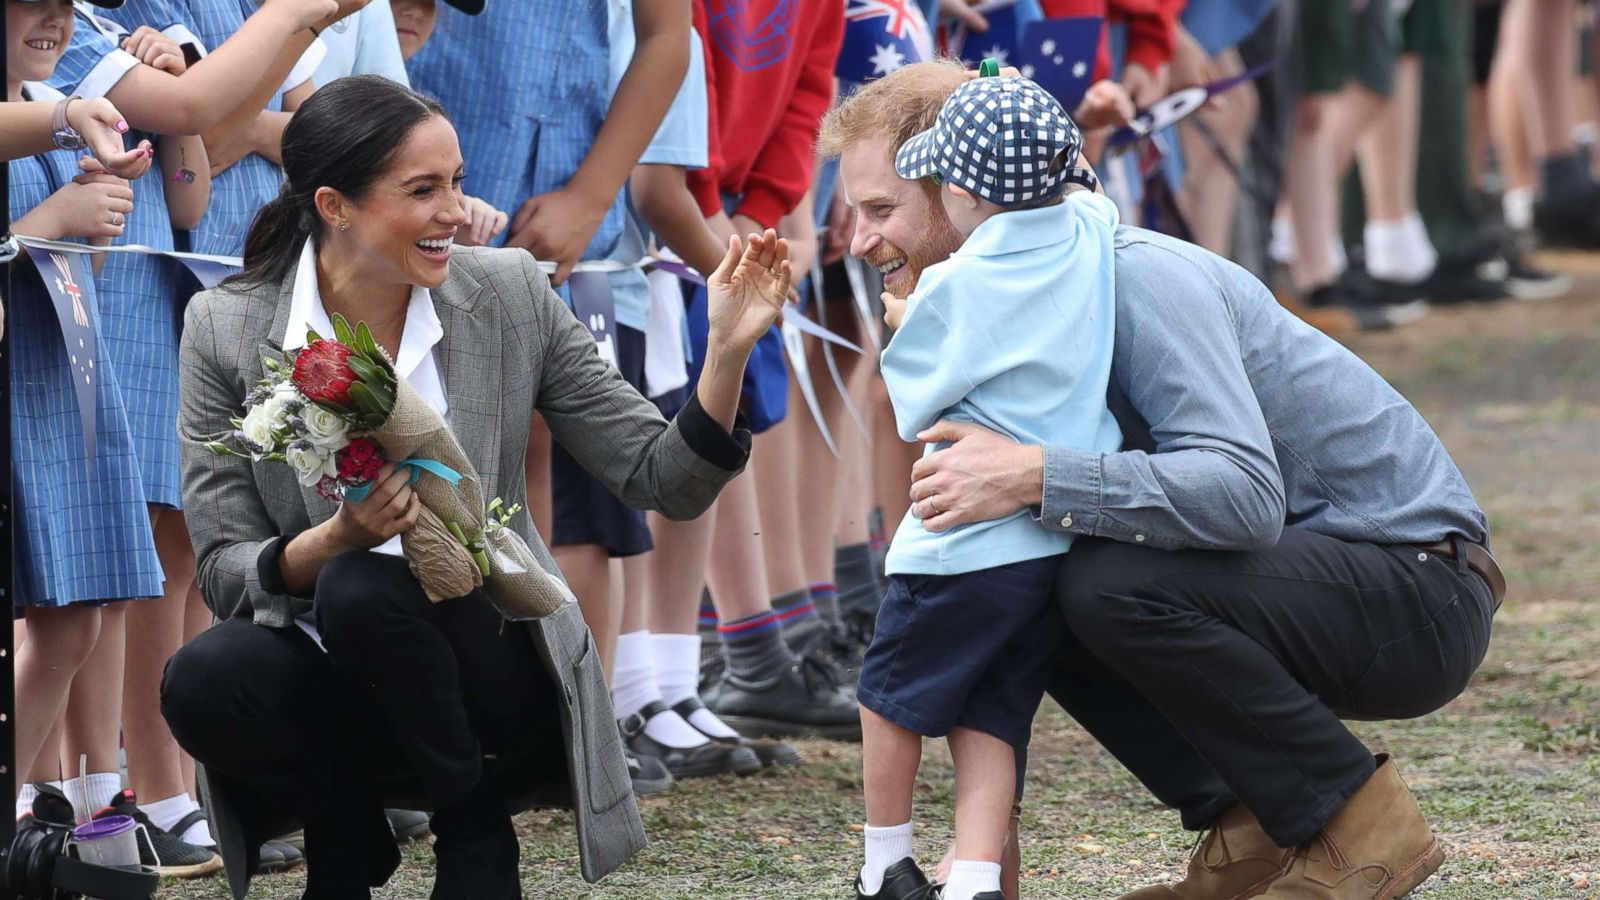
point(1282, 543)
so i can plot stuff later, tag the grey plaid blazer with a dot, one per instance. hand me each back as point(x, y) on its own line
point(510, 345)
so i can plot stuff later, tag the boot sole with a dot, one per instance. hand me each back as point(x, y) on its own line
point(753, 727)
point(209, 867)
point(1414, 874)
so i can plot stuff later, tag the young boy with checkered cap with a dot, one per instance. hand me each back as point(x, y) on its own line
point(1012, 332)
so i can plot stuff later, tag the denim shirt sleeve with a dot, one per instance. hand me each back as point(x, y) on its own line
point(1212, 480)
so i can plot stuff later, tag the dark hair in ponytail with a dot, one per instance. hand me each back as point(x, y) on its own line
point(344, 137)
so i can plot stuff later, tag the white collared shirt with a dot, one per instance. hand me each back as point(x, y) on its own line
point(417, 362)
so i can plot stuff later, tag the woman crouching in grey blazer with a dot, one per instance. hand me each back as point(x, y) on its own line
point(332, 685)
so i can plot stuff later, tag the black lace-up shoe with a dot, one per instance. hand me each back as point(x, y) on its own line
point(769, 752)
point(804, 699)
point(901, 881)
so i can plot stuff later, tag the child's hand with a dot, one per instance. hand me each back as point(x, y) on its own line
point(1106, 103)
point(93, 205)
point(746, 293)
point(894, 309)
point(156, 50)
point(483, 223)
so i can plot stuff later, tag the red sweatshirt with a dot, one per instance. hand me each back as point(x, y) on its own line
point(769, 79)
point(1152, 28)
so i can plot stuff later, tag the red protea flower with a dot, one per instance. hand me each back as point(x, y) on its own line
point(322, 372)
point(360, 461)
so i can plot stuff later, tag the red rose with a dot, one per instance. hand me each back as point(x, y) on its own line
point(360, 461)
point(322, 373)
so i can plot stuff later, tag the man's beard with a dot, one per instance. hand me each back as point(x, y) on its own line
point(938, 241)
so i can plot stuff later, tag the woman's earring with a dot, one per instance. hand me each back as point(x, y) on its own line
point(343, 225)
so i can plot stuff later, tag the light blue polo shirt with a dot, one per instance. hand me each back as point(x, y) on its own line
point(1013, 332)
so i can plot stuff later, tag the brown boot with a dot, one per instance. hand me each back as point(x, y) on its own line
point(1235, 860)
point(1377, 847)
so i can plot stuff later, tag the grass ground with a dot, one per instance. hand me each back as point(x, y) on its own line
point(1509, 774)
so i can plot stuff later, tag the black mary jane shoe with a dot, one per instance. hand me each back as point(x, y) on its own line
point(710, 758)
point(768, 752)
point(901, 881)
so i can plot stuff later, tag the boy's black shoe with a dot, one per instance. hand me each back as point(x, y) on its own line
point(1368, 312)
point(710, 758)
point(1571, 221)
point(804, 699)
point(901, 881)
point(769, 752)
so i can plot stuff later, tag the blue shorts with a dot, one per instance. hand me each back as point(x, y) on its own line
point(970, 650)
point(584, 510)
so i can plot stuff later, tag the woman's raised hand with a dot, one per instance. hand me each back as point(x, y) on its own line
point(390, 508)
point(745, 295)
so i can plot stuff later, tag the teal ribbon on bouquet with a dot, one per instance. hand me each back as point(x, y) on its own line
point(417, 467)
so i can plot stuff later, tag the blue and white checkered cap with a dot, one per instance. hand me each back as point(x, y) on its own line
point(1001, 139)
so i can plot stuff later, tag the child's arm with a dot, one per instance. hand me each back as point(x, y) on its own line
point(558, 226)
point(232, 83)
point(922, 366)
point(661, 195)
point(185, 179)
point(262, 135)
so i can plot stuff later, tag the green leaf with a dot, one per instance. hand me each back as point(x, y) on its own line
point(364, 370)
point(312, 336)
point(342, 332)
point(365, 400)
point(364, 342)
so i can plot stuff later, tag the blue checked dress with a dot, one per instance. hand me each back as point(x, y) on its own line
point(139, 300)
point(251, 183)
point(84, 530)
point(527, 86)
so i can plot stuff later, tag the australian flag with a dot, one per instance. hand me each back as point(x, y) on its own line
point(1003, 41)
point(1058, 54)
point(70, 282)
point(881, 36)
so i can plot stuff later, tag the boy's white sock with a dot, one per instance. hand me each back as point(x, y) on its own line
point(885, 847)
point(969, 879)
point(165, 815)
point(25, 799)
point(100, 790)
point(1399, 249)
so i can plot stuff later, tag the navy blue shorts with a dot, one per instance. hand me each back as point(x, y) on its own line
point(970, 650)
point(584, 510)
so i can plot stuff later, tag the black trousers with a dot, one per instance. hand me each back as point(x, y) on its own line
point(1219, 677)
point(407, 690)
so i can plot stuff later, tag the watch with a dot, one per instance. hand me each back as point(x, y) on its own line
point(67, 137)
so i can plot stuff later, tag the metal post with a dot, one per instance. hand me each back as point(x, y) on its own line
point(8, 670)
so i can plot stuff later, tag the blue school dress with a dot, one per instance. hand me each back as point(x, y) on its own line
point(84, 530)
point(140, 296)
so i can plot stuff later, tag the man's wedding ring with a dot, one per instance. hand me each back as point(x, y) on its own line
point(935, 509)
point(116, 218)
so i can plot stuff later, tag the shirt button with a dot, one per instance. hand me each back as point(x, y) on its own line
point(1422, 557)
point(1139, 538)
point(1066, 521)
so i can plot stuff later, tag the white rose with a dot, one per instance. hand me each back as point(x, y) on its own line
point(282, 395)
point(325, 429)
point(310, 464)
point(258, 426)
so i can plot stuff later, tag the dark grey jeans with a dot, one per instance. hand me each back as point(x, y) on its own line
point(1218, 676)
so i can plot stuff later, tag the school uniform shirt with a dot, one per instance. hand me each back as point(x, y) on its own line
point(769, 79)
point(83, 528)
point(526, 85)
point(139, 295)
point(362, 44)
point(240, 191)
point(1013, 332)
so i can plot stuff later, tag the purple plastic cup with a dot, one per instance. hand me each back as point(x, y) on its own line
point(107, 841)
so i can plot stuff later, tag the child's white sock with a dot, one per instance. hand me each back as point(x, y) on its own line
point(101, 788)
point(677, 661)
point(25, 799)
point(1517, 204)
point(968, 879)
point(165, 815)
point(633, 686)
point(885, 847)
point(1399, 250)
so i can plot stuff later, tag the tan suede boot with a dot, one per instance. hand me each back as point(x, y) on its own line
point(1235, 860)
point(1377, 847)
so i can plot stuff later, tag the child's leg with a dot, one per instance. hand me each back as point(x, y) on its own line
point(59, 640)
point(986, 787)
point(890, 756)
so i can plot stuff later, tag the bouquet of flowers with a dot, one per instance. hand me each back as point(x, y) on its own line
point(336, 413)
